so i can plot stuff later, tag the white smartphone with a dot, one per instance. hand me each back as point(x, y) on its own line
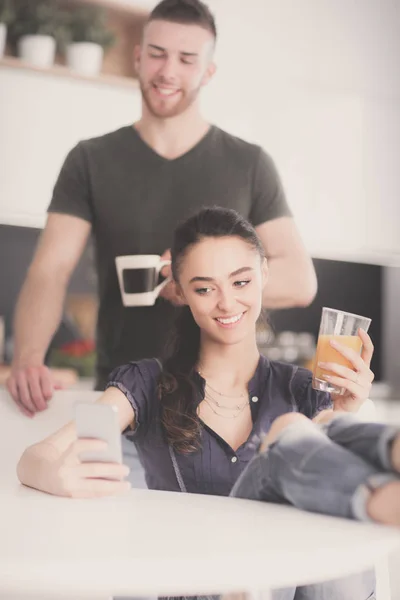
point(100, 422)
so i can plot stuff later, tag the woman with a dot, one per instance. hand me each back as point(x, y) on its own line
point(198, 419)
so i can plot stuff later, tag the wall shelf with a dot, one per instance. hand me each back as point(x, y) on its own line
point(126, 20)
point(122, 6)
point(63, 71)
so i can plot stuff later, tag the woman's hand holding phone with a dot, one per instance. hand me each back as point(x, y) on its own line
point(70, 477)
point(91, 466)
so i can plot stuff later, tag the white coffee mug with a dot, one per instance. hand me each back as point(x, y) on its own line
point(138, 276)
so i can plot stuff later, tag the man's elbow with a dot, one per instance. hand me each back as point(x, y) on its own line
point(306, 291)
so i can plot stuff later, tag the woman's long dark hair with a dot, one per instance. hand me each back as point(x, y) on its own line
point(177, 390)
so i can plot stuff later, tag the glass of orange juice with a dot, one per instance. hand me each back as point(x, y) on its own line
point(342, 327)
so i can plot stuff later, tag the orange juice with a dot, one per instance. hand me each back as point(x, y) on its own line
point(325, 352)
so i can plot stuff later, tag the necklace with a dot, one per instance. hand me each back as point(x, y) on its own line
point(220, 393)
point(225, 395)
point(234, 416)
point(223, 406)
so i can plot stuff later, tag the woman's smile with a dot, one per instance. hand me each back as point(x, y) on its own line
point(230, 322)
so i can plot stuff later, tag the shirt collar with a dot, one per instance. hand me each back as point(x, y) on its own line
point(255, 386)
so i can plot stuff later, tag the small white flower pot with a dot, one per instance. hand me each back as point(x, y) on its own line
point(85, 58)
point(3, 36)
point(38, 50)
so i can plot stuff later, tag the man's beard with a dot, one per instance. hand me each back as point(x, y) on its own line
point(185, 102)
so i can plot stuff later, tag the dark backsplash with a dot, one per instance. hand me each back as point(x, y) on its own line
point(353, 287)
point(17, 246)
point(348, 286)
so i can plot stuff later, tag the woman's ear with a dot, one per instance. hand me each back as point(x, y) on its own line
point(180, 294)
point(265, 272)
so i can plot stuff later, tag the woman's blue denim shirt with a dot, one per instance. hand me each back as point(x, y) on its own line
point(276, 388)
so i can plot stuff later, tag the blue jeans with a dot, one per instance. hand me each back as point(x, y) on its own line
point(328, 469)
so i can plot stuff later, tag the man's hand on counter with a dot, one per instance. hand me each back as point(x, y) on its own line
point(31, 387)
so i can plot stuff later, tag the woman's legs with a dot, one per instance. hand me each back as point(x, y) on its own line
point(377, 443)
point(384, 504)
point(301, 466)
point(395, 454)
point(305, 468)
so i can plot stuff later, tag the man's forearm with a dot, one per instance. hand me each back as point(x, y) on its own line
point(37, 317)
point(290, 283)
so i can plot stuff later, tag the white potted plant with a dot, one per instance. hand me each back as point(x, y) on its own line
point(88, 37)
point(36, 31)
point(6, 17)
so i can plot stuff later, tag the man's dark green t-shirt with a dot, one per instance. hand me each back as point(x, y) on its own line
point(134, 198)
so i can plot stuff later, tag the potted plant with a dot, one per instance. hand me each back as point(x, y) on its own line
point(88, 38)
point(36, 31)
point(79, 355)
point(6, 17)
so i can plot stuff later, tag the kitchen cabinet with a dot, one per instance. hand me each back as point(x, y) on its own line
point(381, 175)
point(41, 118)
point(316, 139)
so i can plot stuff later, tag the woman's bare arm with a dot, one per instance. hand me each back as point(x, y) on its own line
point(40, 464)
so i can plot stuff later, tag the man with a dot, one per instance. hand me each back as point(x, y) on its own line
point(131, 187)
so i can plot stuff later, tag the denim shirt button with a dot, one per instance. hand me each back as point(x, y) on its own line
point(234, 459)
point(254, 399)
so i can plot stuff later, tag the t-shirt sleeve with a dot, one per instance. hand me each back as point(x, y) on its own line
point(268, 196)
point(138, 384)
point(71, 193)
point(310, 402)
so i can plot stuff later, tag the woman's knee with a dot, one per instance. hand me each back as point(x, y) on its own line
point(280, 425)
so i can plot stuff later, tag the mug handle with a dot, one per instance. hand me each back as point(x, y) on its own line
point(158, 289)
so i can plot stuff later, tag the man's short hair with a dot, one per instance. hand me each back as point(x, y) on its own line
point(186, 12)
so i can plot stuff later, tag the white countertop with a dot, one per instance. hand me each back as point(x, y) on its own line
point(153, 543)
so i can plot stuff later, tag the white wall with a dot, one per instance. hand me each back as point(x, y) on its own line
point(316, 82)
point(41, 119)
